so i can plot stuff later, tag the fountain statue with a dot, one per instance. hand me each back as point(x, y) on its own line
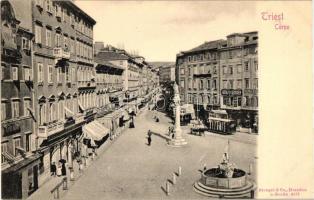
point(225, 181)
point(177, 140)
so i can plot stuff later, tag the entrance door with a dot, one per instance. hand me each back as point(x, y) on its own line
point(35, 171)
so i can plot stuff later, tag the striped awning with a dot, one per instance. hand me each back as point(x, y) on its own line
point(95, 130)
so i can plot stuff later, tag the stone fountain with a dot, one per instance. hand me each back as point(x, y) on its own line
point(225, 181)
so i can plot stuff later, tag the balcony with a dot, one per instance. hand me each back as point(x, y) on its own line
point(84, 84)
point(202, 75)
point(50, 129)
point(61, 54)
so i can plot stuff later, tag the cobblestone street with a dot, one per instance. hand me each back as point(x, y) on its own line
point(132, 169)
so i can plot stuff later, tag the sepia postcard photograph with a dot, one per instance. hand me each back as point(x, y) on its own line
point(178, 100)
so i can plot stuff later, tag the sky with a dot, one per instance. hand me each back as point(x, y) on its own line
point(158, 30)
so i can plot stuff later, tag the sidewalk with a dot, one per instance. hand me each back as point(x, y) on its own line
point(44, 192)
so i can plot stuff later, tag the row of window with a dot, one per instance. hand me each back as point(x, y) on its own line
point(58, 110)
point(213, 70)
point(216, 55)
point(67, 43)
point(15, 108)
point(84, 50)
point(133, 74)
point(238, 68)
point(200, 57)
point(202, 99)
point(85, 73)
point(202, 84)
point(56, 74)
point(102, 100)
point(11, 147)
point(16, 72)
point(109, 78)
point(237, 84)
point(64, 15)
point(226, 84)
point(241, 101)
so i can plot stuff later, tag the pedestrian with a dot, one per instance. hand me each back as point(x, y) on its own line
point(63, 169)
point(172, 135)
point(59, 169)
point(53, 169)
point(149, 133)
point(149, 139)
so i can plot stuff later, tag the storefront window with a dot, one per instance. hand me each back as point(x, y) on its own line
point(30, 180)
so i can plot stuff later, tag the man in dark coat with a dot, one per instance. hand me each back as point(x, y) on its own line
point(53, 169)
point(63, 168)
point(149, 139)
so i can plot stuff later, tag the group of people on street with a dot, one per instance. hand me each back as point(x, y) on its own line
point(171, 131)
point(156, 119)
point(58, 170)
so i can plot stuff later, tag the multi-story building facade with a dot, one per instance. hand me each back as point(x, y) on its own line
point(239, 77)
point(18, 163)
point(64, 81)
point(221, 74)
point(110, 93)
point(52, 89)
point(132, 69)
point(197, 73)
point(166, 74)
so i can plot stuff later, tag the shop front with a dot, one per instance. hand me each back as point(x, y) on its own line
point(20, 180)
point(62, 146)
point(111, 121)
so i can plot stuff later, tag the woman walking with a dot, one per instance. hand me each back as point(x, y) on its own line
point(59, 169)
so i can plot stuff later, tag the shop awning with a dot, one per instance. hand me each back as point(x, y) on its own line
point(104, 130)
point(220, 112)
point(91, 133)
point(95, 130)
point(219, 119)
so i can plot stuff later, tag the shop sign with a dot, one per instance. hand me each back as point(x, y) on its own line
point(231, 92)
point(250, 91)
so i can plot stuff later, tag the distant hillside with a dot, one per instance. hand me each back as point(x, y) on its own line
point(158, 64)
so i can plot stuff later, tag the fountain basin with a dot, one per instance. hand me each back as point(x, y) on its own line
point(214, 178)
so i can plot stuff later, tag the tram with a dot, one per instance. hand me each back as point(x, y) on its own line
point(219, 122)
